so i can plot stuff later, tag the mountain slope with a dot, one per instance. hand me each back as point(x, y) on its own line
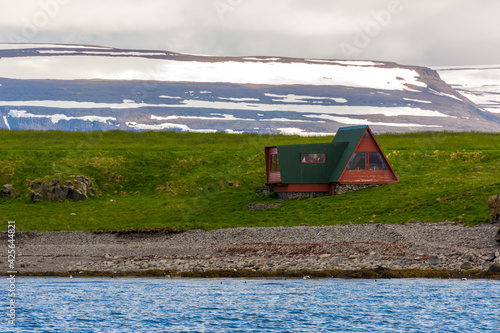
point(480, 84)
point(84, 88)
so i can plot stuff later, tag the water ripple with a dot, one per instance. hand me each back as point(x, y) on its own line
point(224, 305)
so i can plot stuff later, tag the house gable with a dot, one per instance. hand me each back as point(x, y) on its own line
point(367, 164)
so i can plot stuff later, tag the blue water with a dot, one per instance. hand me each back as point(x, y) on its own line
point(225, 305)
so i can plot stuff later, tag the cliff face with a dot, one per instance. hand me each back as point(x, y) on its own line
point(83, 88)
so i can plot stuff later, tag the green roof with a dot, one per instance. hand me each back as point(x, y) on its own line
point(351, 137)
point(338, 153)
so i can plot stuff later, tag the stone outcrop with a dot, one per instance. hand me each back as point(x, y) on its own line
point(8, 191)
point(495, 268)
point(497, 236)
point(345, 188)
point(260, 206)
point(76, 189)
point(300, 195)
point(494, 204)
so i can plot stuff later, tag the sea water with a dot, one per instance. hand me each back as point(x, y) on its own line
point(251, 305)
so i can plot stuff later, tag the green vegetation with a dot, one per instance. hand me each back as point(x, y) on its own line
point(190, 180)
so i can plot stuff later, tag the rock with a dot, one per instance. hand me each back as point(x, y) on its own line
point(37, 186)
point(300, 195)
point(435, 260)
point(77, 189)
point(82, 186)
point(77, 195)
point(495, 268)
point(466, 266)
point(91, 192)
point(382, 268)
point(497, 236)
point(84, 180)
point(489, 257)
point(36, 197)
point(8, 191)
point(494, 204)
point(61, 192)
point(259, 206)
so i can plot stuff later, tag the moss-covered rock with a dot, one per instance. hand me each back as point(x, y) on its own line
point(76, 188)
point(494, 204)
point(8, 191)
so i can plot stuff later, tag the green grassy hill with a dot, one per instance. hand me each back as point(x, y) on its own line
point(166, 179)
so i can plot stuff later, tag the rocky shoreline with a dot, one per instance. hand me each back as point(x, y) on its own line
point(420, 249)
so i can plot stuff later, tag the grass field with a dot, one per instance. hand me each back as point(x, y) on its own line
point(167, 179)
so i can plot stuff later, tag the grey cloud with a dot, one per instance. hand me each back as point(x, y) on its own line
point(422, 32)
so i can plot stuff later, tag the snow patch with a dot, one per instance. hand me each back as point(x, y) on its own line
point(417, 100)
point(230, 117)
point(230, 131)
point(286, 120)
point(6, 122)
point(55, 118)
point(166, 126)
point(472, 77)
point(481, 98)
point(78, 67)
point(492, 110)
point(73, 104)
point(326, 109)
point(300, 132)
point(348, 62)
point(235, 99)
point(291, 98)
point(220, 117)
point(171, 97)
point(261, 59)
point(352, 121)
point(480, 84)
point(444, 94)
point(323, 109)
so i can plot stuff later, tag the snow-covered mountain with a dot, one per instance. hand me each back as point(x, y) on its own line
point(83, 88)
point(480, 84)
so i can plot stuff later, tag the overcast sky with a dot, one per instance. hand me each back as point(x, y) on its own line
point(418, 32)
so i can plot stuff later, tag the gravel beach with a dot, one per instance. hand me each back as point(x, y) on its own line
point(419, 246)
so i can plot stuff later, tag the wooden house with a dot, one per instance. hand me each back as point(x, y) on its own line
point(352, 160)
